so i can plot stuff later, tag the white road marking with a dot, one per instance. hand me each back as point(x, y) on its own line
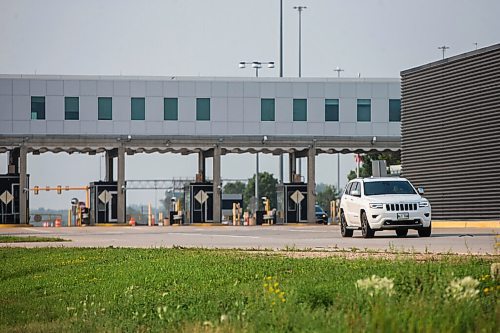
point(36, 230)
point(213, 235)
point(304, 230)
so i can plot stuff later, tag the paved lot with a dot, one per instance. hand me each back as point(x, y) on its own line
point(457, 240)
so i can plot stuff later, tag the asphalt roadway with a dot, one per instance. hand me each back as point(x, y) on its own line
point(307, 237)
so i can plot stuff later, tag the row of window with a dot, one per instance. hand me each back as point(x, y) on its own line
point(171, 107)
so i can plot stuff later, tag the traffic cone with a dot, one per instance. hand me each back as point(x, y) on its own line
point(58, 222)
point(132, 221)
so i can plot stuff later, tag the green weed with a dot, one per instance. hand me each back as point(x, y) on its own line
point(195, 290)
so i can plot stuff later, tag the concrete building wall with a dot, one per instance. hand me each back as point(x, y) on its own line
point(451, 133)
point(235, 105)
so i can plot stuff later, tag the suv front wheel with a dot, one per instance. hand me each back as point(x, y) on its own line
point(366, 231)
point(401, 232)
point(343, 227)
point(425, 232)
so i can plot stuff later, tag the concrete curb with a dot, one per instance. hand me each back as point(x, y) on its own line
point(466, 224)
point(16, 226)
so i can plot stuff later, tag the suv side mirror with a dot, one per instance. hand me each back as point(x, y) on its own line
point(420, 190)
point(356, 193)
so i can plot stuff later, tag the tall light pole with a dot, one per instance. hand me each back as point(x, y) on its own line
point(443, 48)
point(257, 65)
point(300, 9)
point(281, 39)
point(281, 75)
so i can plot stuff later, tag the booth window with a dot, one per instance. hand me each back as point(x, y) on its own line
point(203, 109)
point(364, 110)
point(170, 108)
point(394, 110)
point(104, 108)
point(300, 109)
point(37, 107)
point(331, 110)
point(267, 109)
point(71, 108)
point(138, 108)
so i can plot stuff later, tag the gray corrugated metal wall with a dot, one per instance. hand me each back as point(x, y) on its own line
point(450, 132)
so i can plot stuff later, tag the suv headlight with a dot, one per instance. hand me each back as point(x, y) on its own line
point(423, 204)
point(376, 205)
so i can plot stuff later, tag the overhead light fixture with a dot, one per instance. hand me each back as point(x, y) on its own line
point(256, 64)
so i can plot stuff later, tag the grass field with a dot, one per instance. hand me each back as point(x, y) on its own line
point(29, 239)
point(141, 290)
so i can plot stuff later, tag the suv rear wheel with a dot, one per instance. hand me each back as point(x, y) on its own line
point(425, 232)
point(401, 232)
point(343, 227)
point(366, 231)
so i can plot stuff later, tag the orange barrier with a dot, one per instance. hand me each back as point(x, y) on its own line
point(132, 221)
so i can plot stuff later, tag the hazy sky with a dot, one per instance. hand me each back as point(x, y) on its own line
point(377, 38)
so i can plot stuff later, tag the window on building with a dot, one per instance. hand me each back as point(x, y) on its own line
point(300, 110)
point(104, 108)
point(170, 108)
point(203, 109)
point(267, 109)
point(37, 107)
point(394, 110)
point(364, 110)
point(331, 110)
point(138, 108)
point(71, 108)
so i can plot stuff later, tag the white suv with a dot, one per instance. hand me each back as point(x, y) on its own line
point(385, 203)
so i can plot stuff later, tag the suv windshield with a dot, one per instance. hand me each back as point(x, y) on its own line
point(388, 187)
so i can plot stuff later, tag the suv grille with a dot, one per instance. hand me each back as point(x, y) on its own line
point(401, 207)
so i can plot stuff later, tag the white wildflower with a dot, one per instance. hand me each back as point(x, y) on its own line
point(495, 271)
point(463, 289)
point(376, 285)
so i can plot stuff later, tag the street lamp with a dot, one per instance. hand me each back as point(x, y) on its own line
point(443, 48)
point(257, 65)
point(338, 70)
point(300, 9)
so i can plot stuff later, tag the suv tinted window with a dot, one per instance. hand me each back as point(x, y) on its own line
point(347, 188)
point(355, 186)
point(388, 187)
